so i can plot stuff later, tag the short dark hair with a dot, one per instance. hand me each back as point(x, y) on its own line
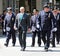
point(10, 9)
point(36, 10)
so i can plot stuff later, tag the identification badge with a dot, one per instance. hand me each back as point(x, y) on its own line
point(12, 18)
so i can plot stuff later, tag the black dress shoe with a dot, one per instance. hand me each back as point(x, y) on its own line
point(6, 45)
point(54, 46)
point(57, 42)
point(46, 48)
point(32, 45)
point(39, 45)
point(22, 49)
point(13, 45)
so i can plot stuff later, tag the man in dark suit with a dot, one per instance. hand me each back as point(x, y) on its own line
point(9, 26)
point(46, 17)
point(22, 23)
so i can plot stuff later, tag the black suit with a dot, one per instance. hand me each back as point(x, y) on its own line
point(22, 28)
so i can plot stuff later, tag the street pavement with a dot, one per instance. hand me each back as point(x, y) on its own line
point(30, 51)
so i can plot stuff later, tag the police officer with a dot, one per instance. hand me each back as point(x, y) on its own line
point(22, 24)
point(46, 17)
point(9, 26)
point(35, 26)
point(56, 27)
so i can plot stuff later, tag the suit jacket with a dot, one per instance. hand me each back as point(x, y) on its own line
point(24, 23)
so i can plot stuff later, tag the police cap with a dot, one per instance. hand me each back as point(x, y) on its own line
point(46, 6)
point(9, 9)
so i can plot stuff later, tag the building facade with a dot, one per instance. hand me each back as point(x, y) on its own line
point(1, 6)
point(28, 4)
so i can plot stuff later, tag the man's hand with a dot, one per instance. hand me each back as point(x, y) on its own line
point(4, 30)
point(29, 29)
point(15, 28)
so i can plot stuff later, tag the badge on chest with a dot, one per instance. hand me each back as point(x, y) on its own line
point(12, 19)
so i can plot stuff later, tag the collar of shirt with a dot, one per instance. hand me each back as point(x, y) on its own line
point(21, 16)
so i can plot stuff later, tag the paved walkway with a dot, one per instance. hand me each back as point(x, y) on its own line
point(30, 51)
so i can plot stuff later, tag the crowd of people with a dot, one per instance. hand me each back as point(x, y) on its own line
point(45, 24)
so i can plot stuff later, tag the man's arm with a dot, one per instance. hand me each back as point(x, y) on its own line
point(16, 23)
point(5, 22)
point(39, 18)
point(28, 22)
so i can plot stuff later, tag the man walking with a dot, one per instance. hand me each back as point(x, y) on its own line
point(9, 27)
point(22, 23)
point(46, 17)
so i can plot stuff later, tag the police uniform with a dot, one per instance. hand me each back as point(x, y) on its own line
point(9, 28)
point(46, 26)
point(56, 29)
point(35, 26)
point(23, 22)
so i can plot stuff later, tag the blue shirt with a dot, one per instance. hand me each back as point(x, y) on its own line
point(21, 16)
